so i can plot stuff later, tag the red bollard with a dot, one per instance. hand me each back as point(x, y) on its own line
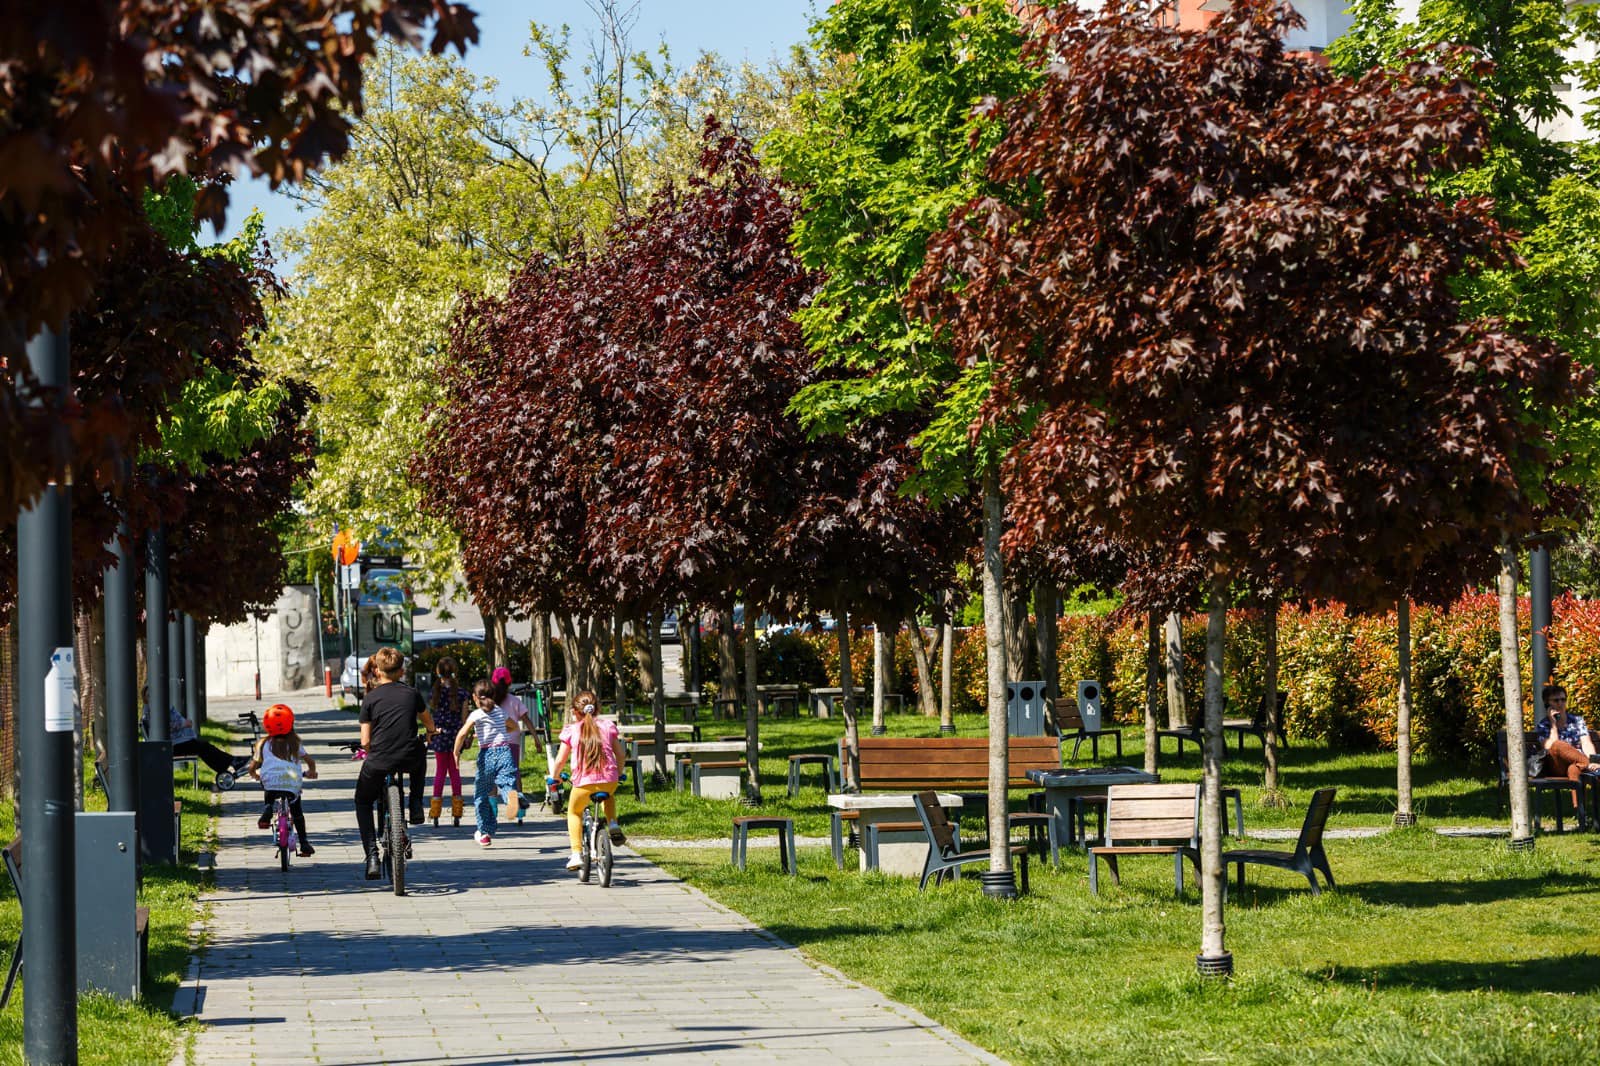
point(327, 680)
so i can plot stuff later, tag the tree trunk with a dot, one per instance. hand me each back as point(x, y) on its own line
point(727, 664)
point(644, 650)
point(947, 651)
point(490, 652)
point(1272, 793)
point(596, 635)
point(539, 646)
point(565, 642)
point(1403, 815)
point(1152, 691)
point(1511, 679)
point(995, 650)
point(502, 654)
point(882, 661)
point(1045, 605)
point(752, 722)
point(1018, 639)
point(88, 645)
point(658, 697)
point(852, 733)
point(1177, 712)
point(696, 651)
point(1213, 953)
point(927, 702)
point(619, 673)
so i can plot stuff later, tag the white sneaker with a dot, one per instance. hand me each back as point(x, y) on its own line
point(482, 839)
point(576, 862)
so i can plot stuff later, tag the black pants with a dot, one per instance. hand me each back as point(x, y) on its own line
point(296, 814)
point(369, 792)
point(207, 753)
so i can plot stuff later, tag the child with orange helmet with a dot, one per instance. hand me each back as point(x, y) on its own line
point(276, 764)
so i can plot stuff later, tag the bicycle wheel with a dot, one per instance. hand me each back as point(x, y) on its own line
point(397, 844)
point(283, 837)
point(602, 840)
point(588, 845)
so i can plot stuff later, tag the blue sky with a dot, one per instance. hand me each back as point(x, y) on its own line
point(737, 29)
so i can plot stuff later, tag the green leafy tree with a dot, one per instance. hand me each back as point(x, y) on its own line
point(1546, 190)
point(884, 157)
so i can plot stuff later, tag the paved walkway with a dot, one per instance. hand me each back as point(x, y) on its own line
point(500, 956)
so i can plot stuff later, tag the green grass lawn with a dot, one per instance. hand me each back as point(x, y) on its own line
point(1432, 949)
point(111, 1031)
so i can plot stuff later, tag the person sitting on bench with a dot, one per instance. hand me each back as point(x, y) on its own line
point(188, 744)
point(1568, 746)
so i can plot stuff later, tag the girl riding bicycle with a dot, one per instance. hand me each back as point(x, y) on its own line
point(276, 764)
point(596, 751)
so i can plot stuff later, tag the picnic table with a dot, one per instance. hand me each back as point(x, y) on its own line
point(822, 700)
point(713, 767)
point(1062, 788)
point(643, 737)
point(899, 853)
point(772, 699)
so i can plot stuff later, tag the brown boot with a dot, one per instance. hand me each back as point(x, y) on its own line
point(456, 808)
point(434, 807)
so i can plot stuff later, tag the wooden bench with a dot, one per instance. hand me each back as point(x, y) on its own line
point(1166, 818)
point(913, 764)
point(12, 855)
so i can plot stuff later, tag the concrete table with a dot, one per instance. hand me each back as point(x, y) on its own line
point(643, 736)
point(901, 854)
point(714, 782)
point(822, 700)
point(1061, 787)
point(771, 699)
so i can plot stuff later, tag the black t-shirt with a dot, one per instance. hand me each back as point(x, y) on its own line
point(394, 709)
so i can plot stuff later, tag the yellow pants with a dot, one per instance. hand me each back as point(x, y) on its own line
point(579, 801)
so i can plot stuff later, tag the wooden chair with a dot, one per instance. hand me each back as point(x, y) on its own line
point(1307, 859)
point(1190, 734)
point(1166, 818)
point(944, 855)
point(1088, 725)
point(1537, 786)
point(1256, 726)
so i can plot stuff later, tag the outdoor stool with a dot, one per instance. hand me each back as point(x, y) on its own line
point(830, 772)
point(1078, 810)
point(870, 845)
point(632, 766)
point(838, 835)
point(742, 825)
point(1041, 831)
point(721, 771)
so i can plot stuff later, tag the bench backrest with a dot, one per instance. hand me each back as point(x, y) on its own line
point(1316, 820)
point(936, 822)
point(1136, 813)
point(949, 762)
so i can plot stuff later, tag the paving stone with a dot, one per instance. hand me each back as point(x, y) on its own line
point(498, 955)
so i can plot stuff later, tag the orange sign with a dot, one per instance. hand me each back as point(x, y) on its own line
point(346, 549)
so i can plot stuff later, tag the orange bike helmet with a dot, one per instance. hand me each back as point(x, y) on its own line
point(278, 720)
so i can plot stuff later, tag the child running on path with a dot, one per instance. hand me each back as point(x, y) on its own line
point(596, 750)
point(276, 764)
point(449, 709)
point(496, 772)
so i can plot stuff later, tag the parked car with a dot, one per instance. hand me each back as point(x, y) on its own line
point(350, 676)
point(669, 628)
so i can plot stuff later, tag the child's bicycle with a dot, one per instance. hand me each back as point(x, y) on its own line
point(283, 834)
point(393, 846)
point(596, 840)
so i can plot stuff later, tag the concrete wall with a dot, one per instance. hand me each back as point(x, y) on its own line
point(283, 642)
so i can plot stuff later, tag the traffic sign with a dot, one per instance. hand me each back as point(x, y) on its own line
point(346, 549)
